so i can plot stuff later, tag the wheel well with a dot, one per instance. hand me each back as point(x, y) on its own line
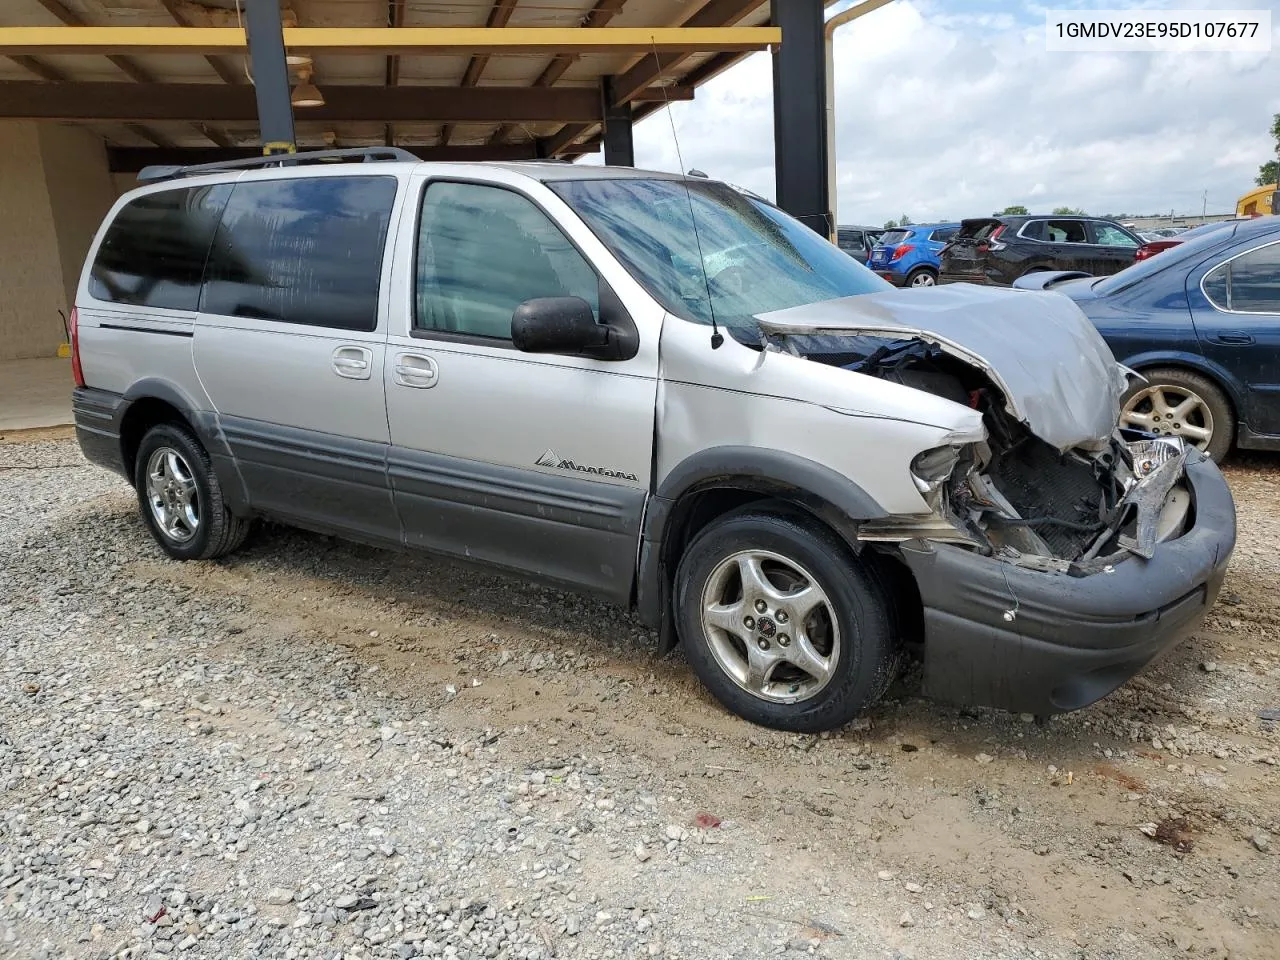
point(143, 414)
point(695, 510)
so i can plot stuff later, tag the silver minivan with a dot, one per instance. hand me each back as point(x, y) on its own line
point(657, 389)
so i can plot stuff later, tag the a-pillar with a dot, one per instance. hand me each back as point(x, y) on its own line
point(619, 144)
point(800, 113)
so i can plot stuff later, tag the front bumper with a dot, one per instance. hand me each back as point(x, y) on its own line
point(1005, 636)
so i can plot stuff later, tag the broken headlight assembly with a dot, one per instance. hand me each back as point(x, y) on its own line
point(1035, 506)
point(931, 469)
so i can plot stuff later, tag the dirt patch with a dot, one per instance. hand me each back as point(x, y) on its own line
point(946, 833)
point(37, 434)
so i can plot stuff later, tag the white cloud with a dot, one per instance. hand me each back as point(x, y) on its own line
point(946, 115)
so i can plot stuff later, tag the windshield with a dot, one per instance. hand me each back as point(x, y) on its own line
point(1175, 255)
point(756, 258)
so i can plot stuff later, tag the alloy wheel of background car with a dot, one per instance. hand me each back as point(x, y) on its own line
point(180, 497)
point(782, 622)
point(1180, 403)
point(922, 278)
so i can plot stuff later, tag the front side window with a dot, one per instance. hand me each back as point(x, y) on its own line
point(306, 251)
point(705, 251)
point(1247, 284)
point(1109, 236)
point(483, 251)
point(153, 253)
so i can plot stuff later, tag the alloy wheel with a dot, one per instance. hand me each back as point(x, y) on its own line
point(1170, 411)
point(771, 628)
point(172, 494)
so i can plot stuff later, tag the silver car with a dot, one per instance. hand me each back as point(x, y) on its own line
point(659, 390)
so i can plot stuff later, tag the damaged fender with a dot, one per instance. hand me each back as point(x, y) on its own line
point(1057, 374)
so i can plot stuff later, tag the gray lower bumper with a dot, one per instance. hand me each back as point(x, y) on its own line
point(1071, 640)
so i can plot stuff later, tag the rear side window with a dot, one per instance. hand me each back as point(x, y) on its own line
point(305, 251)
point(850, 240)
point(153, 253)
point(1247, 284)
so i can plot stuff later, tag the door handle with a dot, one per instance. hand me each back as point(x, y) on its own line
point(416, 370)
point(1232, 339)
point(354, 363)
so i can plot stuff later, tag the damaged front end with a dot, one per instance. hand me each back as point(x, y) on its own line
point(1013, 495)
point(1053, 485)
point(1054, 555)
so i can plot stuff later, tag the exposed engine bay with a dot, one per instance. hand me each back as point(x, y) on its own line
point(1015, 496)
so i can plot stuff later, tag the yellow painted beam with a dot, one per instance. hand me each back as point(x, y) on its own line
point(444, 40)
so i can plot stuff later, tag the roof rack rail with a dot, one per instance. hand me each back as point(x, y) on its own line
point(157, 172)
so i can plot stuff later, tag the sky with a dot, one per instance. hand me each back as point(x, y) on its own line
point(954, 108)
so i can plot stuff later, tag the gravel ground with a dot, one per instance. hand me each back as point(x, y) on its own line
point(314, 749)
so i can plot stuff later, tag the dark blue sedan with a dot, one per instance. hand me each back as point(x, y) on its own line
point(1201, 323)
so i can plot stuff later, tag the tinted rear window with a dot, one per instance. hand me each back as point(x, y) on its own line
point(153, 253)
point(943, 235)
point(977, 229)
point(302, 251)
point(891, 237)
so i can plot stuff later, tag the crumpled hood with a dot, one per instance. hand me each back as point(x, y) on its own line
point(1057, 373)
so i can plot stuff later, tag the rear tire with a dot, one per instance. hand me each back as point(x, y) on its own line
point(922, 277)
point(1198, 406)
point(782, 623)
point(180, 497)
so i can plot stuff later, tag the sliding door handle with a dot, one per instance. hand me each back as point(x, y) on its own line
point(416, 370)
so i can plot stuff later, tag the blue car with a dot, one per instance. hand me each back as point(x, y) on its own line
point(1201, 323)
point(908, 256)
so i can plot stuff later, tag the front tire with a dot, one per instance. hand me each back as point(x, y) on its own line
point(180, 497)
point(1176, 402)
point(782, 623)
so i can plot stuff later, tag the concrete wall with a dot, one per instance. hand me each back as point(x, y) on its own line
point(31, 288)
point(80, 193)
point(54, 190)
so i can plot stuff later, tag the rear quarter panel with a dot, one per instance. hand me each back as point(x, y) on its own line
point(121, 345)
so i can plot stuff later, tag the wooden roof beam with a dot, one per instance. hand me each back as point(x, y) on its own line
point(216, 103)
point(598, 16)
point(133, 159)
point(180, 17)
point(499, 15)
point(363, 40)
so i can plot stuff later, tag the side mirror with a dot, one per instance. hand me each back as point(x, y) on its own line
point(558, 325)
